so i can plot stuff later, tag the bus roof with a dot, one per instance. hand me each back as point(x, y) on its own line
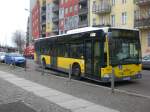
point(87, 29)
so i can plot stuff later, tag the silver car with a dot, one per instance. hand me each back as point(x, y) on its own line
point(2, 56)
point(146, 62)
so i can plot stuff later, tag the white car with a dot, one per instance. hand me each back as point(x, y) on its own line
point(2, 56)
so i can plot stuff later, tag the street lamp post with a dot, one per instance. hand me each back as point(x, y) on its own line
point(30, 25)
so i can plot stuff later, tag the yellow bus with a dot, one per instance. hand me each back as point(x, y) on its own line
point(93, 53)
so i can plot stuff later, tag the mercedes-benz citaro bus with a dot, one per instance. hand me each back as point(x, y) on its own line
point(93, 53)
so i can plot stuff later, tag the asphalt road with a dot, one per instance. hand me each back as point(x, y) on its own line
point(84, 89)
point(140, 86)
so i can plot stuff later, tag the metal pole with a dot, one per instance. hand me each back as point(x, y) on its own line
point(70, 72)
point(14, 64)
point(42, 70)
point(112, 81)
point(25, 65)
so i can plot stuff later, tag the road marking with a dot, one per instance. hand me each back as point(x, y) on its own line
point(62, 99)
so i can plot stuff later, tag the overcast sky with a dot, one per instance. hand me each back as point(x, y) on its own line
point(12, 17)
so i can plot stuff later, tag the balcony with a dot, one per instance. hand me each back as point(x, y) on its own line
point(56, 1)
point(44, 3)
point(43, 29)
point(82, 1)
point(83, 23)
point(101, 25)
point(101, 9)
point(143, 2)
point(43, 22)
point(55, 8)
point(55, 18)
point(142, 23)
point(83, 11)
point(55, 28)
point(43, 13)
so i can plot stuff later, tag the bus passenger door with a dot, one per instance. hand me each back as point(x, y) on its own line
point(54, 58)
point(88, 58)
point(92, 59)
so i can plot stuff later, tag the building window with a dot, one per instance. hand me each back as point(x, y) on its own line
point(124, 18)
point(62, 1)
point(149, 39)
point(70, 10)
point(66, 11)
point(113, 20)
point(113, 2)
point(94, 6)
point(124, 1)
point(94, 22)
point(75, 8)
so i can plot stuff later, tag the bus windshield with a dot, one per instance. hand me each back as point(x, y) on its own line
point(124, 47)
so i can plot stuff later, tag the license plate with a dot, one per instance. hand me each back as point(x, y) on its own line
point(127, 78)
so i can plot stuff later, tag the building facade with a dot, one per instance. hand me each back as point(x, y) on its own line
point(36, 21)
point(55, 17)
point(142, 22)
point(68, 15)
point(43, 18)
point(59, 16)
point(49, 15)
point(101, 11)
point(32, 5)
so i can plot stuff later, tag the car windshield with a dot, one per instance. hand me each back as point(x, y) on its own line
point(124, 48)
point(2, 53)
point(15, 54)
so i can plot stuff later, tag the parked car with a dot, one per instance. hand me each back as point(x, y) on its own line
point(146, 62)
point(15, 58)
point(2, 56)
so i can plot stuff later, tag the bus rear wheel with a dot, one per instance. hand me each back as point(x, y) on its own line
point(76, 71)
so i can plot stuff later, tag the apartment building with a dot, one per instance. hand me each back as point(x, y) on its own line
point(49, 15)
point(59, 16)
point(36, 20)
point(142, 22)
point(101, 10)
point(43, 18)
point(84, 13)
point(117, 13)
point(55, 17)
point(68, 15)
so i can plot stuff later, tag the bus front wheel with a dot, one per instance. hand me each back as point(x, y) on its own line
point(43, 63)
point(76, 71)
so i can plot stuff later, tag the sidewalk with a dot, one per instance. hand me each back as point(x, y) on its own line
point(55, 97)
point(88, 92)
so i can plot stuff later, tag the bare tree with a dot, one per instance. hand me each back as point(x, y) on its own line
point(19, 40)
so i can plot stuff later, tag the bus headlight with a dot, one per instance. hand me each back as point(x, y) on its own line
point(107, 76)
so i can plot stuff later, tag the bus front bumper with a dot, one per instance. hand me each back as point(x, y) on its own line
point(126, 78)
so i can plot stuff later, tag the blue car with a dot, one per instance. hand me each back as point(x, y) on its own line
point(14, 58)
